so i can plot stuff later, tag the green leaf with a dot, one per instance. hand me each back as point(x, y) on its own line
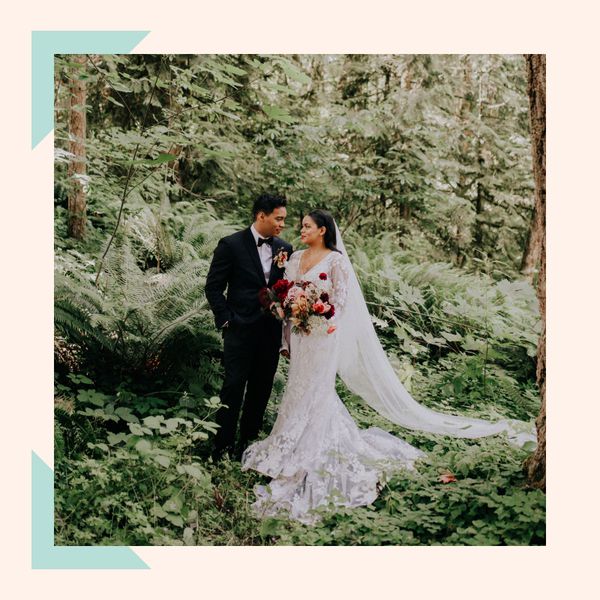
point(174, 504)
point(153, 421)
point(92, 397)
point(379, 322)
point(231, 69)
point(143, 446)
point(157, 511)
point(210, 426)
point(227, 114)
point(451, 337)
point(294, 72)
point(212, 402)
point(171, 424)
point(126, 415)
point(175, 519)
point(79, 378)
point(472, 343)
point(278, 114)
point(111, 99)
point(195, 472)
point(118, 86)
point(281, 88)
point(116, 438)
point(100, 445)
point(162, 460)
point(137, 429)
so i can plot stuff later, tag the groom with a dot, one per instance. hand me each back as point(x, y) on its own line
point(244, 262)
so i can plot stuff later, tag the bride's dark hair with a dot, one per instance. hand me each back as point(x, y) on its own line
point(324, 219)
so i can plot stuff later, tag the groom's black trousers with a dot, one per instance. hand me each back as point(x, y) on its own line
point(250, 357)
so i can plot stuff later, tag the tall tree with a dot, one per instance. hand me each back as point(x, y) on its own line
point(77, 167)
point(536, 88)
point(533, 246)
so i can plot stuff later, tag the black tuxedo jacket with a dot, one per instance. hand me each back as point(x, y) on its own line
point(236, 266)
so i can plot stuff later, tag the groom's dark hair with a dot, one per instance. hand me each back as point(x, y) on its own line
point(267, 203)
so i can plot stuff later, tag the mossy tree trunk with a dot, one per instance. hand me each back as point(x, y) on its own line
point(536, 76)
point(77, 164)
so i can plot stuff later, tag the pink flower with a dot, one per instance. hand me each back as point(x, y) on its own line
point(319, 307)
point(323, 276)
point(331, 329)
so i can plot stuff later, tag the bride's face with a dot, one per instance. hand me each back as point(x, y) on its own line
point(310, 234)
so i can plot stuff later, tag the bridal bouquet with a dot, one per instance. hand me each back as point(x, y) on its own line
point(303, 303)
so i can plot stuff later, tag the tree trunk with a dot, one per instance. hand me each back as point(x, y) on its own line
point(77, 167)
point(536, 76)
point(533, 246)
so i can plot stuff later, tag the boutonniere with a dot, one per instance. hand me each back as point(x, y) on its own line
point(280, 259)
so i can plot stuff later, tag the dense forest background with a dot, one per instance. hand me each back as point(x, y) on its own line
point(426, 163)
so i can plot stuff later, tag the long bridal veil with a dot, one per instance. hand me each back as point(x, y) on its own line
point(365, 369)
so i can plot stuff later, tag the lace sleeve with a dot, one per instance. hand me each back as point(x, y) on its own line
point(340, 274)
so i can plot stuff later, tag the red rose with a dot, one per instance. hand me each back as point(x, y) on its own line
point(323, 276)
point(281, 286)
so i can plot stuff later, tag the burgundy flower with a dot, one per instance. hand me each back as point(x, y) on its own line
point(324, 297)
point(323, 276)
point(281, 286)
point(330, 312)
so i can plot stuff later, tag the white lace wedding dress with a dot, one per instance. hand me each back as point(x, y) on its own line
point(316, 453)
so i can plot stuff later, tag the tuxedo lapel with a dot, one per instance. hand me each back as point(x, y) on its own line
point(253, 251)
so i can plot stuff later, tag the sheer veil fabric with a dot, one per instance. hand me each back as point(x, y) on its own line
point(365, 369)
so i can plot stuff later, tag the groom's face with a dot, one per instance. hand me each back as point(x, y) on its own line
point(271, 224)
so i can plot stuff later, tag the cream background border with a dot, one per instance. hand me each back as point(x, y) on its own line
point(566, 566)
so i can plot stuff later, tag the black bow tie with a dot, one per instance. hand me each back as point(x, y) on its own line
point(262, 241)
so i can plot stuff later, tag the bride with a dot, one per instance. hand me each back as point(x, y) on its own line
point(316, 454)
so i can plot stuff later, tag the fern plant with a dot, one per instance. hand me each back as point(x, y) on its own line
point(141, 322)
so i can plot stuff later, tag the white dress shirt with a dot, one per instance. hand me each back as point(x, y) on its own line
point(265, 253)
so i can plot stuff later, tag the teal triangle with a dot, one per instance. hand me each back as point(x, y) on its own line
point(45, 555)
point(45, 44)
